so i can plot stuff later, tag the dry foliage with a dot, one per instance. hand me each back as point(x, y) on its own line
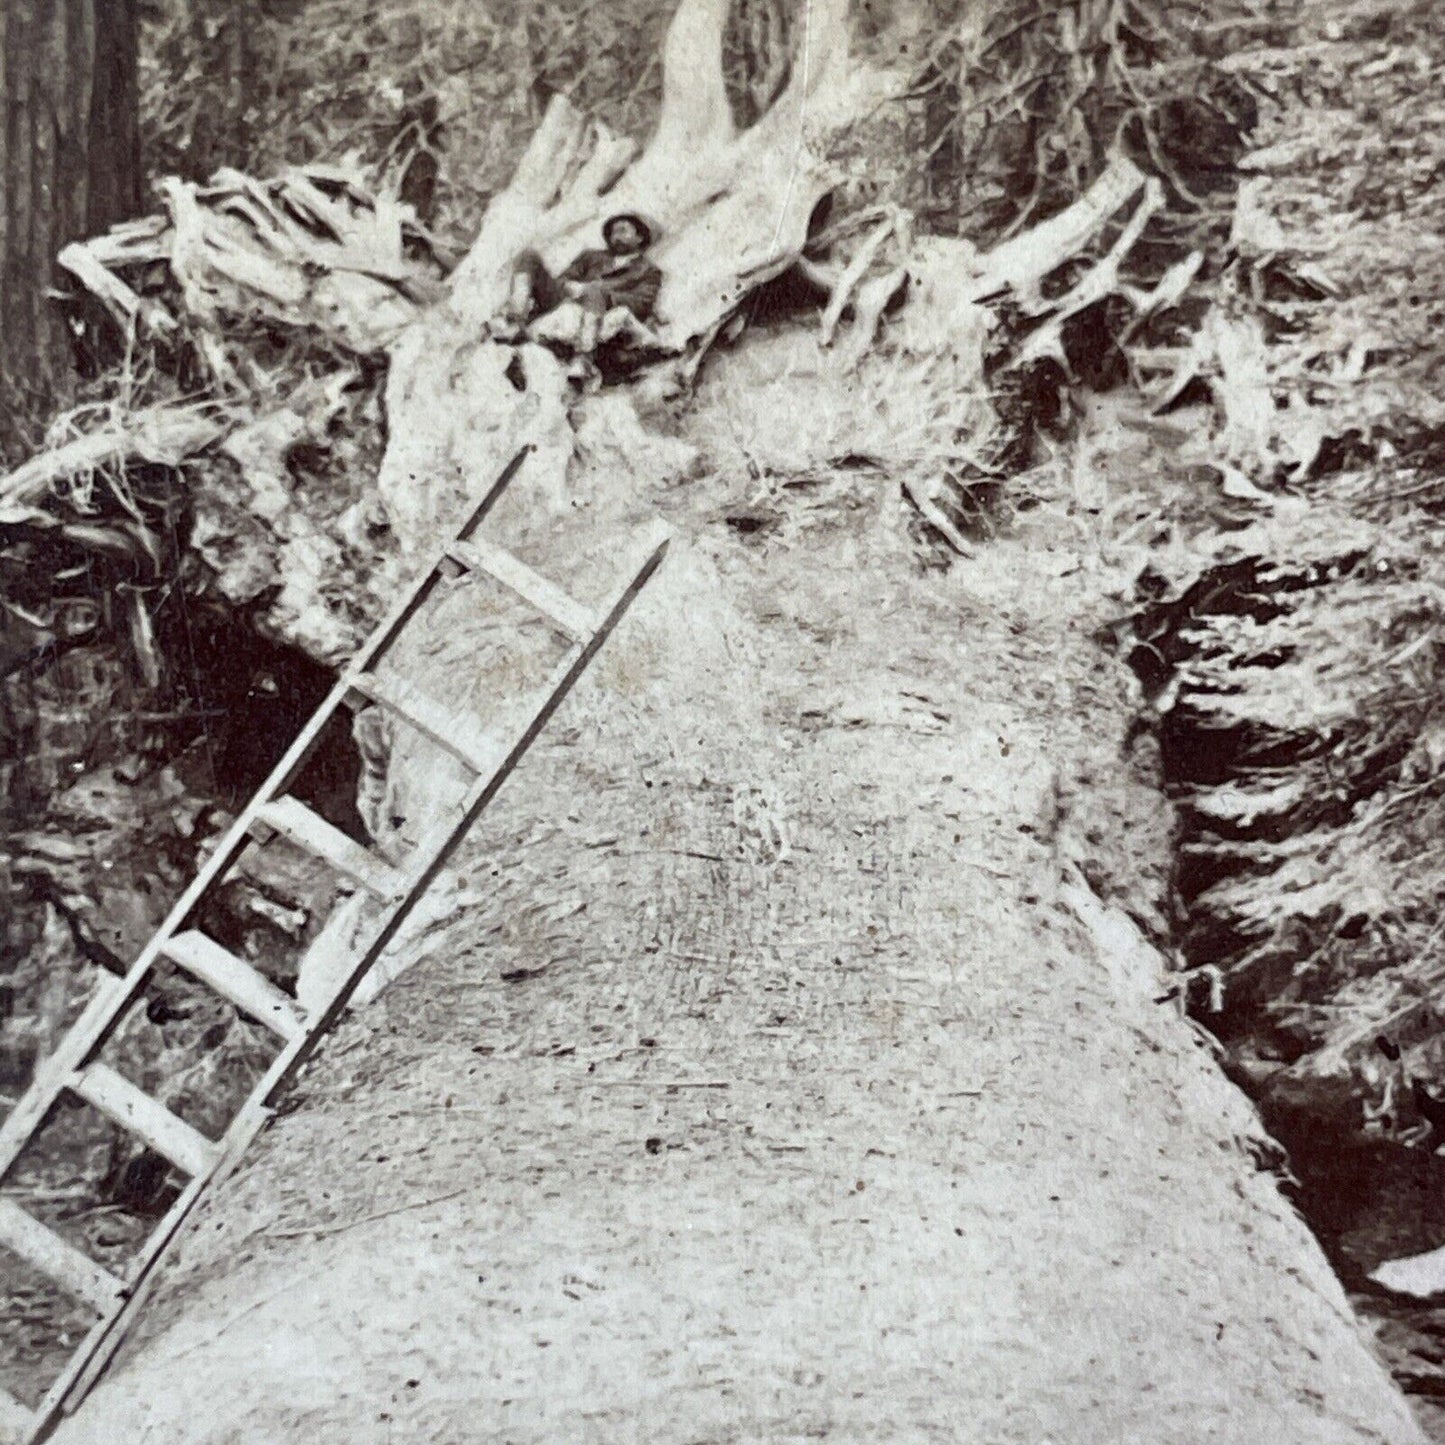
point(1305, 712)
point(448, 92)
point(1018, 106)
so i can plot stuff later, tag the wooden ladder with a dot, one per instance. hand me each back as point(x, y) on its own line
point(73, 1068)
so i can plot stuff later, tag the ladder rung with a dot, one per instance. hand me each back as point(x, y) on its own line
point(294, 820)
point(75, 1272)
point(575, 620)
point(236, 982)
point(147, 1118)
point(458, 735)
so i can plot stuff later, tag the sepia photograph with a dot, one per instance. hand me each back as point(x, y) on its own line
point(722, 722)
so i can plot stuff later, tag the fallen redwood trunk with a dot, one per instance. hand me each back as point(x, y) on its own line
point(730, 211)
point(769, 1092)
point(317, 255)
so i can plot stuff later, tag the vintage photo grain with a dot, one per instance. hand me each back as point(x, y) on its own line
point(721, 721)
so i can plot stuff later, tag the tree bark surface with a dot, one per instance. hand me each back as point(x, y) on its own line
point(69, 167)
point(773, 1088)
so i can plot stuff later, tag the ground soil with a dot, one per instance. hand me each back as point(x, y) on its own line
point(768, 1087)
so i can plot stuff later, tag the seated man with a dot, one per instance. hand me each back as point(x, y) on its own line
point(599, 282)
point(620, 274)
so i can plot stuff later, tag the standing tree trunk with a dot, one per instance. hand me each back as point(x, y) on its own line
point(69, 166)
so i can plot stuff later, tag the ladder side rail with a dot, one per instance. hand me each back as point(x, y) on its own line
point(99, 1348)
point(91, 1361)
point(46, 1414)
point(480, 794)
point(94, 1356)
point(395, 621)
point(100, 1016)
point(482, 510)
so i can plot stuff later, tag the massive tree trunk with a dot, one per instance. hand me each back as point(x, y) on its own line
point(771, 1088)
point(69, 166)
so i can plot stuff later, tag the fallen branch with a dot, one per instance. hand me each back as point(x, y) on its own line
point(163, 435)
point(921, 496)
point(852, 277)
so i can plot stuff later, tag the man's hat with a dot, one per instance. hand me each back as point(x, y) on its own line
point(628, 218)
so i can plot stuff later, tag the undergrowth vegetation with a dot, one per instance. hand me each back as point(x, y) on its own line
point(1305, 717)
point(1024, 103)
point(1011, 110)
